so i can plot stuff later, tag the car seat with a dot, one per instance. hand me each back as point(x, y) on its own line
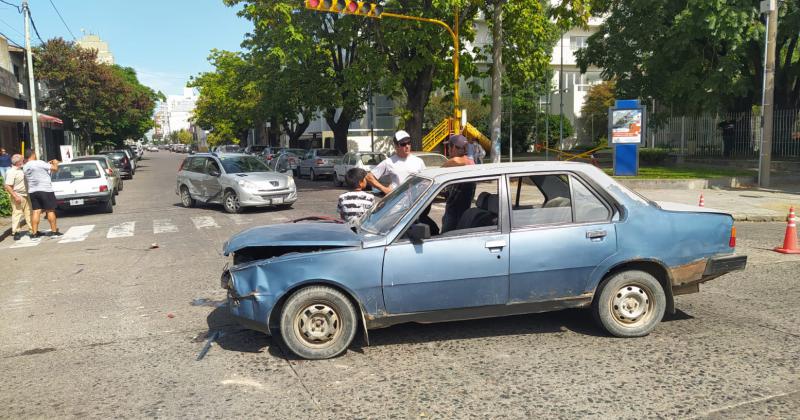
point(557, 202)
point(483, 214)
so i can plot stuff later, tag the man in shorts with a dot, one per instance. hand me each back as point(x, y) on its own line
point(40, 191)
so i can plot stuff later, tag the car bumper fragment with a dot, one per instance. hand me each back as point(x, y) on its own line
point(722, 265)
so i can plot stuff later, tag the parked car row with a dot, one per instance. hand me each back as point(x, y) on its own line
point(95, 180)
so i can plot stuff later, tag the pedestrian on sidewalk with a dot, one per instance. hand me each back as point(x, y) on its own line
point(40, 191)
point(15, 185)
point(5, 162)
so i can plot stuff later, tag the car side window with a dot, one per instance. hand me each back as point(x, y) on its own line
point(540, 200)
point(463, 208)
point(588, 208)
point(210, 165)
point(195, 165)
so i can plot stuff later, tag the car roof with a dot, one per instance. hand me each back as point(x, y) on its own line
point(446, 174)
point(91, 157)
point(84, 162)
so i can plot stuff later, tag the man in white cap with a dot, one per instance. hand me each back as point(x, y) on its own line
point(398, 166)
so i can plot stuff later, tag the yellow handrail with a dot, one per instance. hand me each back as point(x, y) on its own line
point(472, 132)
point(436, 136)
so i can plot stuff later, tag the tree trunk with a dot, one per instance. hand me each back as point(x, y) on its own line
point(418, 93)
point(497, 79)
point(340, 128)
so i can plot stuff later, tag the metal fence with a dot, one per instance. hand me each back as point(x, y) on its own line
point(734, 136)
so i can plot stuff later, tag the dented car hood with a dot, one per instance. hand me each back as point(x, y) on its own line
point(293, 235)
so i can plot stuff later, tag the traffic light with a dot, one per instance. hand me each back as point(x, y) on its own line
point(350, 7)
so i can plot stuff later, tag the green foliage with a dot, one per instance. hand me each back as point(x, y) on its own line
point(553, 123)
point(98, 101)
point(5, 201)
point(653, 156)
point(594, 111)
point(441, 107)
point(694, 55)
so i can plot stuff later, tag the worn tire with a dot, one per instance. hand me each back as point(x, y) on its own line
point(121, 184)
point(231, 202)
point(318, 322)
point(629, 303)
point(186, 197)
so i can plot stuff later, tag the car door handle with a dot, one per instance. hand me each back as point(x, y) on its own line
point(495, 245)
point(596, 234)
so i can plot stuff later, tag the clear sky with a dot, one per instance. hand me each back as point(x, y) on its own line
point(166, 41)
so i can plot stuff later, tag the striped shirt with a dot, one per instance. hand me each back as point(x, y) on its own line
point(352, 205)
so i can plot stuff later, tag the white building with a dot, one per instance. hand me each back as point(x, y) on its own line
point(179, 109)
point(93, 42)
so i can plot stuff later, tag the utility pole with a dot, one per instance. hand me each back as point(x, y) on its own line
point(511, 126)
point(768, 92)
point(561, 97)
point(31, 82)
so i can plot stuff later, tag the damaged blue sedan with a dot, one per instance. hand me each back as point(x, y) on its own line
point(474, 242)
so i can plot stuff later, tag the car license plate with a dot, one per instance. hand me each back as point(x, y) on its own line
point(277, 200)
point(77, 202)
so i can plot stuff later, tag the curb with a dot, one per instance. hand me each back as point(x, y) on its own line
point(757, 218)
point(687, 184)
point(5, 233)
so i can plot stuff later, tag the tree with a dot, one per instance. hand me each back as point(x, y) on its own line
point(228, 97)
point(329, 54)
point(184, 136)
point(594, 110)
point(101, 103)
point(694, 55)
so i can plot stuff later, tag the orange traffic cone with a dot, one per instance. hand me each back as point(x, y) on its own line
point(790, 239)
point(702, 201)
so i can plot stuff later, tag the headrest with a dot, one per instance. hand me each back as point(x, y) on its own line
point(493, 203)
point(480, 202)
point(90, 173)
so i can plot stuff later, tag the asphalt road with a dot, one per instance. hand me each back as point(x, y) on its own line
point(110, 326)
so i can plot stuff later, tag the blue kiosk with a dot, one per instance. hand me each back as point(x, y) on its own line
point(626, 124)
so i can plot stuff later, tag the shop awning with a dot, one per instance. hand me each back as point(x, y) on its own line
point(10, 114)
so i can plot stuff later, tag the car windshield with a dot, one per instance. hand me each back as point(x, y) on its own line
point(73, 172)
point(385, 215)
point(372, 158)
point(243, 164)
point(328, 152)
point(433, 161)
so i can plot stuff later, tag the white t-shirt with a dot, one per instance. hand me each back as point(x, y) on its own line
point(398, 169)
point(37, 173)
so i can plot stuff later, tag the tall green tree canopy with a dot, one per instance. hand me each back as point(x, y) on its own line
point(694, 55)
point(100, 102)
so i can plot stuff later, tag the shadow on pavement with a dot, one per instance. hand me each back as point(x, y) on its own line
point(232, 336)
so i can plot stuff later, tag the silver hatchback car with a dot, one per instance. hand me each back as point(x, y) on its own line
point(233, 180)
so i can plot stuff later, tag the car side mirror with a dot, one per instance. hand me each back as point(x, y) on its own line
point(214, 172)
point(418, 232)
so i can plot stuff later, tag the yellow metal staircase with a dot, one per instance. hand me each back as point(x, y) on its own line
point(443, 130)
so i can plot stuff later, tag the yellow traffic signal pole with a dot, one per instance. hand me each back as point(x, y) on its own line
point(454, 35)
point(375, 11)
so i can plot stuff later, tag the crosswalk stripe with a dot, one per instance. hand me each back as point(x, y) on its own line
point(76, 234)
point(26, 242)
point(121, 230)
point(164, 226)
point(204, 222)
point(238, 219)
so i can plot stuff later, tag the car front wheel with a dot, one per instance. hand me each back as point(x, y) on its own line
point(186, 197)
point(231, 202)
point(630, 304)
point(318, 322)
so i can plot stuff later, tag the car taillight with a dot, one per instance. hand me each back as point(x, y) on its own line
point(103, 188)
point(269, 157)
point(109, 171)
point(320, 161)
point(732, 240)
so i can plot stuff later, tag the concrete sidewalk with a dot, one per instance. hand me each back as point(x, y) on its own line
point(745, 204)
point(5, 227)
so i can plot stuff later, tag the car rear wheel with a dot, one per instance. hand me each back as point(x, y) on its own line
point(186, 197)
point(312, 175)
point(108, 206)
point(318, 322)
point(231, 202)
point(630, 304)
point(119, 189)
point(336, 181)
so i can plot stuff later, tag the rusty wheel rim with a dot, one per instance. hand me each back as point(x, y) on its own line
point(632, 305)
point(318, 325)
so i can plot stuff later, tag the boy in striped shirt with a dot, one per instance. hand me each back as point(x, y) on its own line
point(353, 204)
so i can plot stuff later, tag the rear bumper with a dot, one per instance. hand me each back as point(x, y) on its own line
point(63, 201)
point(721, 265)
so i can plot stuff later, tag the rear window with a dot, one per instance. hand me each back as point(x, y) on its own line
point(373, 159)
point(328, 152)
point(102, 162)
point(71, 172)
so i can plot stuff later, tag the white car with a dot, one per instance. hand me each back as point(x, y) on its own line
point(84, 183)
point(363, 160)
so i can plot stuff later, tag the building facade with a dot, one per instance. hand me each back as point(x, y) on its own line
point(93, 42)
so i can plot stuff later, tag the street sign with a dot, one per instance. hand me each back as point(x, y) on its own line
point(626, 124)
point(66, 153)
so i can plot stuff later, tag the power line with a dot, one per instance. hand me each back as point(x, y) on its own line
point(11, 27)
point(19, 8)
point(34, 25)
point(12, 41)
point(62, 20)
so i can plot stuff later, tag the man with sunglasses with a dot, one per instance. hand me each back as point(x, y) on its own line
point(398, 166)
